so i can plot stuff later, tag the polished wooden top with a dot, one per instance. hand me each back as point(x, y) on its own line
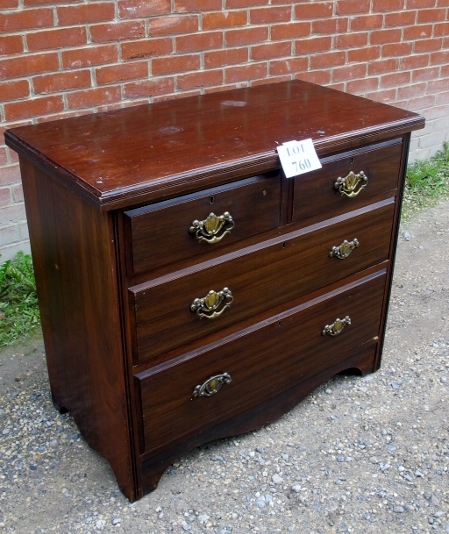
point(148, 152)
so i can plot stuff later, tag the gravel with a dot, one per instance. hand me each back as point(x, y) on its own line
point(361, 454)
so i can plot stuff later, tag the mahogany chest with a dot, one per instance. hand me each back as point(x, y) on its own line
point(188, 289)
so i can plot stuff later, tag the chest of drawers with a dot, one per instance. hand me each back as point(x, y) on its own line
point(188, 290)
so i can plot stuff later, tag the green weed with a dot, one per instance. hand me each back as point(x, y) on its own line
point(19, 313)
point(427, 181)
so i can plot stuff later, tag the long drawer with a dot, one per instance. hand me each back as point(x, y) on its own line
point(174, 310)
point(205, 387)
point(188, 226)
point(363, 175)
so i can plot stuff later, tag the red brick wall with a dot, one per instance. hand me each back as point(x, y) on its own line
point(60, 58)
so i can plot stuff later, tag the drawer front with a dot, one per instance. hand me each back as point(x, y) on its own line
point(167, 314)
point(316, 195)
point(255, 364)
point(167, 232)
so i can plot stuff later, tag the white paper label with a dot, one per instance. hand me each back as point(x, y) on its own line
point(298, 157)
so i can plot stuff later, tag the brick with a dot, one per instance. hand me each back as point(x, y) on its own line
point(288, 66)
point(320, 77)
point(366, 22)
point(443, 98)
point(291, 30)
point(8, 234)
point(175, 64)
point(410, 91)
point(224, 19)
point(270, 15)
point(229, 56)
point(314, 10)
point(397, 49)
point(26, 65)
point(55, 39)
point(14, 90)
point(385, 96)
point(346, 41)
point(245, 73)
point(395, 79)
point(415, 61)
point(430, 73)
point(117, 31)
point(313, 45)
point(86, 13)
point(11, 44)
point(385, 36)
point(10, 4)
point(175, 96)
point(146, 48)
point(437, 86)
point(271, 50)
point(441, 29)
point(444, 71)
point(198, 42)
point(124, 71)
point(352, 7)
point(419, 31)
point(349, 72)
point(28, 3)
point(26, 19)
point(9, 175)
point(363, 85)
point(403, 18)
point(15, 111)
point(422, 102)
point(246, 36)
point(3, 157)
point(185, 6)
point(17, 193)
point(235, 4)
point(136, 9)
point(61, 81)
point(370, 53)
point(387, 5)
point(431, 15)
point(173, 25)
point(14, 213)
point(329, 60)
point(5, 196)
point(90, 98)
point(383, 66)
point(11, 156)
point(149, 88)
point(89, 57)
point(419, 4)
point(199, 80)
point(330, 26)
point(428, 45)
point(439, 58)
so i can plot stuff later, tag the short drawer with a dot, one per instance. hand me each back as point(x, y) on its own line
point(185, 227)
point(364, 174)
point(171, 311)
point(203, 388)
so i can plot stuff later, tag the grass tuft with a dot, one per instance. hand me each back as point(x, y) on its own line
point(19, 313)
point(427, 182)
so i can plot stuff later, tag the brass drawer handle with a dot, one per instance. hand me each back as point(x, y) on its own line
point(209, 229)
point(349, 184)
point(344, 250)
point(336, 327)
point(207, 306)
point(212, 385)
